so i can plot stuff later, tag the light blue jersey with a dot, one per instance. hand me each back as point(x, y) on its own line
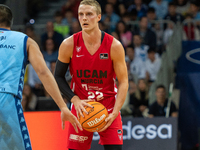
point(13, 59)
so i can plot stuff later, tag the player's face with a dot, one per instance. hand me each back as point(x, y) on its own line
point(88, 17)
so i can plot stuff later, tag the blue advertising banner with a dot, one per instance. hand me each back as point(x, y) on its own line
point(157, 133)
point(188, 81)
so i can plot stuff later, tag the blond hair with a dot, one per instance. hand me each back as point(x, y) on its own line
point(92, 3)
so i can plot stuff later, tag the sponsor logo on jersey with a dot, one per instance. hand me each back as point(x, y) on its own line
point(119, 131)
point(77, 138)
point(8, 46)
point(104, 56)
point(91, 74)
point(120, 137)
point(95, 81)
point(1, 32)
point(2, 38)
point(96, 120)
point(79, 56)
point(110, 109)
point(78, 48)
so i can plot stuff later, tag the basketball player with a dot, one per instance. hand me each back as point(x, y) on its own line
point(15, 50)
point(95, 59)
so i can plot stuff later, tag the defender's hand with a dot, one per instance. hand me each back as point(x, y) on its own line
point(66, 115)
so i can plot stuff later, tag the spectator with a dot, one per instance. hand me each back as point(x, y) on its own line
point(68, 103)
point(140, 102)
point(34, 81)
point(52, 66)
point(137, 67)
point(168, 33)
point(30, 97)
point(194, 10)
point(50, 33)
point(130, 76)
point(127, 108)
point(152, 65)
point(158, 29)
point(161, 8)
point(159, 107)
point(126, 18)
point(182, 6)
point(115, 4)
point(140, 49)
point(124, 34)
point(25, 103)
point(151, 16)
point(103, 27)
point(72, 5)
point(148, 36)
point(122, 9)
point(50, 53)
point(59, 27)
point(172, 14)
point(140, 8)
point(75, 27)
point(68, 18)
point(190, 31)
point(114, 18)
point(30, 31)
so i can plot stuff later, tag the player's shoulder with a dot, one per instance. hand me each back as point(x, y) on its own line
point(68, 41)
point(116, 46)
point(116, 43)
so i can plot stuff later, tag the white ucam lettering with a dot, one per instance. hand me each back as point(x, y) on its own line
point(96, 120)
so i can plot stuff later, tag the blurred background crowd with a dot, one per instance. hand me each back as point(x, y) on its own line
point(144, 28)
point(151, 32)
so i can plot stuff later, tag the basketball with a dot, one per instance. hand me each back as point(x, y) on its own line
point(95, 120)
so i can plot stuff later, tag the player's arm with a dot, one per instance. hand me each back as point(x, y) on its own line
point(65, 54)
point(118, 58)
point(36, 59)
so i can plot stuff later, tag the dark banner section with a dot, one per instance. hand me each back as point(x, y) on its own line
point(157, 133)
point(188, 81)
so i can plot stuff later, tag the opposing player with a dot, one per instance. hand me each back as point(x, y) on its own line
point(95, 59)
point(15, 50)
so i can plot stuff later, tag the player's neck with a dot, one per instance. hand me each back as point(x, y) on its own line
point(92, 37)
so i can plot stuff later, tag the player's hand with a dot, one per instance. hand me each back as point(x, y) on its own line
point(79, 105)
point(66, 115)
point(109, 120)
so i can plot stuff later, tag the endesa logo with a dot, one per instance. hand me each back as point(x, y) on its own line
point(151, 131)
point(139, 132)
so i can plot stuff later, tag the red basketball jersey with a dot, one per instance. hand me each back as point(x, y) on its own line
point(93, 76)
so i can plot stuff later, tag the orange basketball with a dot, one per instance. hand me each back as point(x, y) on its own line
point(95, 120)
